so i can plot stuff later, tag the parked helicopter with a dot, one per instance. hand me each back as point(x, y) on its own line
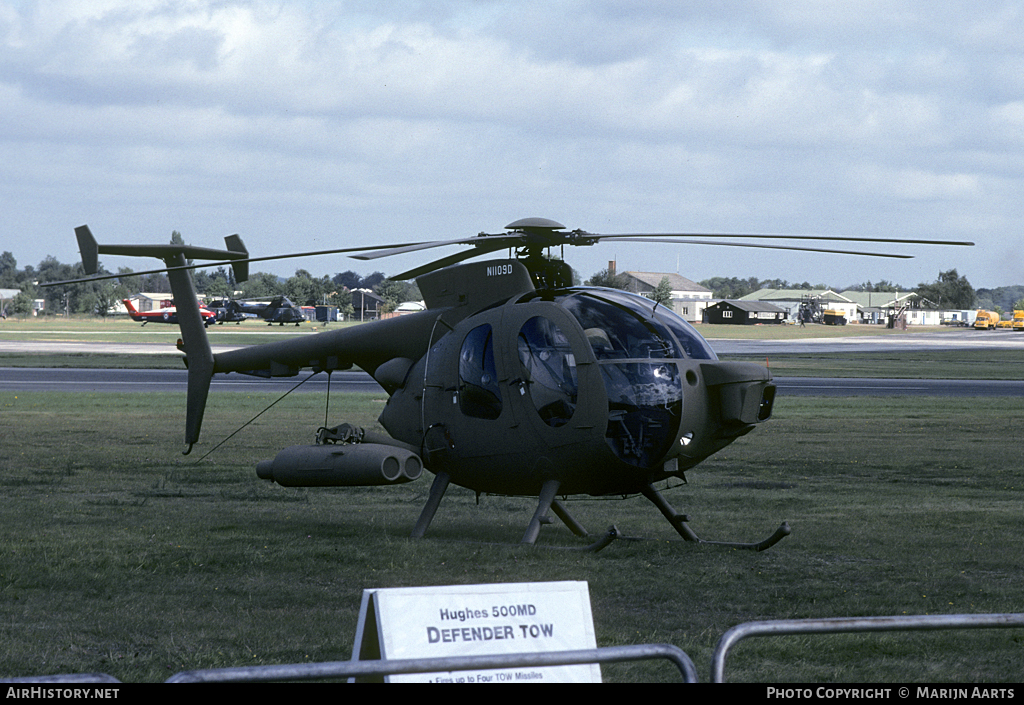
point(512, 381)
point(279, 310)
point(164, 315)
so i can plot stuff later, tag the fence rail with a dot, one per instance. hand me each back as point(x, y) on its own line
point(355, 669)
point(609, 654)
point(834, 625)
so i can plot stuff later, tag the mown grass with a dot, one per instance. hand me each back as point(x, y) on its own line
point(897, 364)
point(120, 555)
point(124, 330)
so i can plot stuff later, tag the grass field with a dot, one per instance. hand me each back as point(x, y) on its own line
point(119, 555)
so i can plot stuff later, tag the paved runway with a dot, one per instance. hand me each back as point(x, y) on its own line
point(941, 340)
point(27, 379)
point(958, 339)
point(20, 379)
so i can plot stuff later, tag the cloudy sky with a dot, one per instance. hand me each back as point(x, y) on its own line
point(312, 124)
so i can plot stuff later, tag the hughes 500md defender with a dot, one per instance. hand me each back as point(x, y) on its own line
point(512, 381)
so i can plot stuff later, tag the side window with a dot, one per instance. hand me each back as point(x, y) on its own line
point(549, 370)
point(478, 382)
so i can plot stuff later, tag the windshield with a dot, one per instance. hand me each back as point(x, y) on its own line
point(635, 342)
point(620, 325)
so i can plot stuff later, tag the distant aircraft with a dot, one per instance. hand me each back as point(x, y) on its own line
point(280, 310)
point(164, 315)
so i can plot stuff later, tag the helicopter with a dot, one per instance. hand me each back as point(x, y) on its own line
point(512, 381)
point(279, 310)
point(163, 315)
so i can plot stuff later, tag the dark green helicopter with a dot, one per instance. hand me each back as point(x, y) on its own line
point(512, 381)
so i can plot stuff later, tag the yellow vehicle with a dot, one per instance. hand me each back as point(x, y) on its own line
point(1018, 320)
point(986, 320)
point(833, 317)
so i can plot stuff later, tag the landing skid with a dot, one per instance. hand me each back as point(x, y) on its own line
point(547, 501)
point(679, 523)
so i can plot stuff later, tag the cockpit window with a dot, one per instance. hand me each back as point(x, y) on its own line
point(645, 402)
point(635, 343)
point(620, 325)
point(618, 328)
point(692, 342)
point(549, 370)
point(479, 395)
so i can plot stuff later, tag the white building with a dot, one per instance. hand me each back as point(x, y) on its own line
point(689, 299)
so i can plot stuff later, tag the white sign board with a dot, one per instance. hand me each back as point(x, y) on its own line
point(473, 620)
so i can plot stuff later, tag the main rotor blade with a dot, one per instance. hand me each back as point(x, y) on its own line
point(898, 241)
point(482, 241)
point(449, 260)
point(765, 247)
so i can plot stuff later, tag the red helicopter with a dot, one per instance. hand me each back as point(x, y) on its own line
point(164, 315)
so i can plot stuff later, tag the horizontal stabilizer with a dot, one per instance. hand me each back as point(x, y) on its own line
point(90, 251)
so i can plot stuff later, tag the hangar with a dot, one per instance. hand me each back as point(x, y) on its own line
point(744, 313)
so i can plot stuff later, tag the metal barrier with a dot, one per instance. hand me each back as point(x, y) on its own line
point(609, 654)
point(355, 669)
point(855, 624)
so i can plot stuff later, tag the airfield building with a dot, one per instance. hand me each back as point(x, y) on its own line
point(744, 313)
point(689, 299)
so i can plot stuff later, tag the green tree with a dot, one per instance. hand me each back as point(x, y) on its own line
point(105, 295)
point(8, 270)
point(348, 280)
point(662, 293)
point(608, 279)
point(950, 291)
point(395, 292)
point(21, 305)
point(731, 287)
point(66, 297)
point(301, 288)
point(262, 285)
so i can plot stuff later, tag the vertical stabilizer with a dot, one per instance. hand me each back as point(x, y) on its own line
point(198, 354)
point(241, 269)
point(88, 248)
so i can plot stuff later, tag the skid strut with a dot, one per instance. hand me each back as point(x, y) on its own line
point(678, 522)
point(437, 490)
point(547, 496)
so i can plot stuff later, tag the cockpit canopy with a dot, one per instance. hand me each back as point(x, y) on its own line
point(637, 343)
point(620, 325)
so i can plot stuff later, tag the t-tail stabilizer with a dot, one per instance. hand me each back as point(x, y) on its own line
point(198, 354)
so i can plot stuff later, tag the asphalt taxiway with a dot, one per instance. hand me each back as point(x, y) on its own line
point(127, 381)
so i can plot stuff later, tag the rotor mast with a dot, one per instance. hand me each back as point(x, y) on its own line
point(537, 235)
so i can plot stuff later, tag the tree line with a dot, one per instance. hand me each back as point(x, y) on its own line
point(950, 290)
point(99, 297)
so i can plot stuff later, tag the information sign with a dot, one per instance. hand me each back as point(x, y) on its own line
point(472, 620)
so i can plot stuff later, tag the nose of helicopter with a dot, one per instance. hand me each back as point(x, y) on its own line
point(743, 390)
